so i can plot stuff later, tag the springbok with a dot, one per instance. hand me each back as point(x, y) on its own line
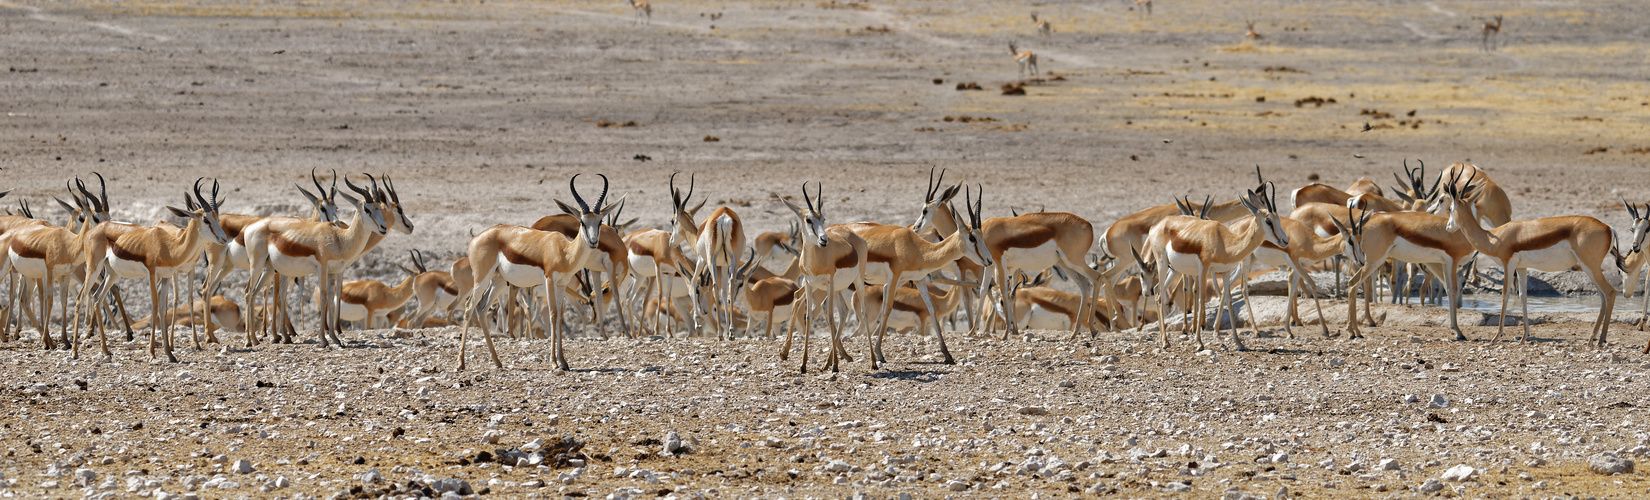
point(832, 259)
point(137, 252)
point(898, 255)
point(718, 240)
point(1195, 247)
point(526, 257)
point(1492, 29)
point(1545, 244)
point(1027, 59)
point(280, 248)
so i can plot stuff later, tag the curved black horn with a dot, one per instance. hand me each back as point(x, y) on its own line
point(675, 195)
point(334, 190)
point(377, 193)
point(319, 189)
point(1631, 210)
point(819, 197)
point(389, 187)
point(977, 202)
point(198, 196)
point(601, 200)
point(215, 205)
point(805, 198)
point(365, 195)
point(933, 185)
point(91, 199)
point(104, 189)
point(573, 186)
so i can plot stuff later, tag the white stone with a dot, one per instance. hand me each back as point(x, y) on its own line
point(1608, 463)
point(1438, 401)
point(1432, 485)
point(1458, 473)
point(243, 466)
point(1389, 464)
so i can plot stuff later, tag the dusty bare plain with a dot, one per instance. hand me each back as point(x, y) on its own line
point(482, 111)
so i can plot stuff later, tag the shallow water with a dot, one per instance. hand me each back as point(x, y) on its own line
point(1491, 303)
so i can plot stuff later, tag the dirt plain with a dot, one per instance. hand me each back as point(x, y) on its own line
point(482, 111)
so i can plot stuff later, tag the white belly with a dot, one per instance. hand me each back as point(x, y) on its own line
point(1558, 257)
point(1267, 258)
point(520, 275)
point(642, 265)
point(901, 321)
point(236, 253)
point(352, 312)
point(35, 268)
point(1406, 251)
point(781, 313)
point(1184, 263)
point(878, 273)
point(443, 299)
point(293, 267)
point(1043, 319)
point(125, 268)
point(1031, 259)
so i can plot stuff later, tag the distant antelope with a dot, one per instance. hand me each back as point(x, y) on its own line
point(1027, 59)
point(1491, 29)
point(644, 11)
point(1042, 25)
point(1252, 34)
point(1144, 7)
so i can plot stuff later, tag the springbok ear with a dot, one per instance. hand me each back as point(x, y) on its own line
point(1340, 227)
point(350, 199)
point(950, 192)
point(566, 209)
point(1401, 195)
point(180, 212)
point(793, 207)
point(611, 206)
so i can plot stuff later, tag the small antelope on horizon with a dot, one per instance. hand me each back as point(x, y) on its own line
point(1042, 24)
point(1491, 29)
point(644, 11)
point(1252, 34)
point(1144, 7)
point(1026, 58)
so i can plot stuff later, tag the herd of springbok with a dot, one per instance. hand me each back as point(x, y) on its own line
point(524, 280)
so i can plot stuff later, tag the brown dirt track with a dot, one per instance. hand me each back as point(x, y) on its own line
point(483, 110)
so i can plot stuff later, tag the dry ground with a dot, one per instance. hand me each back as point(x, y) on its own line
point(483, 110)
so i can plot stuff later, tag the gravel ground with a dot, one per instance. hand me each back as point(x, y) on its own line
point(481, 111)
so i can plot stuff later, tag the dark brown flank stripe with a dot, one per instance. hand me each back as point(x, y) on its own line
point(847, 260)
point(1546, 239)
point(288, 247)
point(517, 258)
point(785, 299)
point(1416, 237)
point(1030, 237)
point(124, 254)
point(27, 252)
point(449, 287)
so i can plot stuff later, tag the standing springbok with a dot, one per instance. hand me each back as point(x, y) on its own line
point(1545, 244)
point(1414, 237)
point(1042, 25)
point(526, 257)
point(644, 11)
point(718, 240)
point(832, 259)
point(1492, 29)
point(1027, 59)
point(1635, 258)
point(898, 255)
point(280, 248)
point(613, 258)
point(138, 252)
point(221, 259)
point(1194, 247)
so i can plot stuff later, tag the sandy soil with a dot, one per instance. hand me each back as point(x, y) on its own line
point(481, 111)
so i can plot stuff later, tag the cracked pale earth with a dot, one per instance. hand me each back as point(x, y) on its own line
point(481, 111)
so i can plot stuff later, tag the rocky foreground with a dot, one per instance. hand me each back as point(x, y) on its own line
point(1401, 415)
